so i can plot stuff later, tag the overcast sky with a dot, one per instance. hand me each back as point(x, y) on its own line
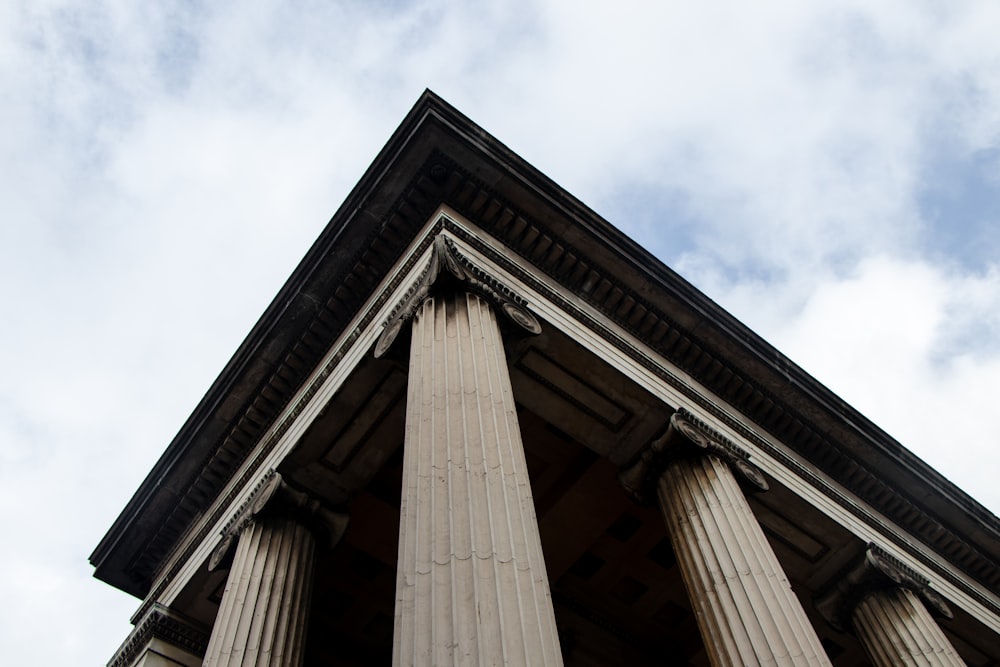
point(828, 172)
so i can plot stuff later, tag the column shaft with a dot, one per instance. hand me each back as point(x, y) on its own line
point(897, 629)
point(745, 607)
point(263, 616)
point(471, 586)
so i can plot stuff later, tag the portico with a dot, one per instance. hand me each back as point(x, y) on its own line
point(480, 425)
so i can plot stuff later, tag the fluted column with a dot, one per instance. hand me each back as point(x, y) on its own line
point(471, 585)
point(896, 629)
point(745, 607)
point(888, 607)
point(264, 612)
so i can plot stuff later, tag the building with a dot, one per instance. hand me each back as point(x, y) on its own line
point(601, 466)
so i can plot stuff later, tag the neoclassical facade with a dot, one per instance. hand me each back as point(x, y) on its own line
point(480, 426)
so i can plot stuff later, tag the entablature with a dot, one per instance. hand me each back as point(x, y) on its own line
point(582, 275)
point(326, 437)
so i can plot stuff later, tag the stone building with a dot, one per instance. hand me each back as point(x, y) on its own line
point(479, 425)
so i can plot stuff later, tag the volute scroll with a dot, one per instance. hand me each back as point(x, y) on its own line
point(447, 265)
point(686, 436)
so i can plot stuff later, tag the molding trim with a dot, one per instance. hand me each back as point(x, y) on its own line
point(166, 625)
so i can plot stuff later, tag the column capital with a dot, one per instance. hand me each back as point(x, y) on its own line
point(873, 571)
point(273, 497)
point(448, 264)
point(686, 437)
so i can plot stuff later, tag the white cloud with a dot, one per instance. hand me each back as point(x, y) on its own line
point(893, 340)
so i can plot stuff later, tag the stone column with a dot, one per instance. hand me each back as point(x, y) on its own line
point(745, 607)
point(471, 586)
point(888, 607)
point(264, 612)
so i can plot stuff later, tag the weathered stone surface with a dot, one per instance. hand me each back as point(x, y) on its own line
point(745, 607)
point(897, 629)
point(471, 585)
point(890, 607)
point(265, 607)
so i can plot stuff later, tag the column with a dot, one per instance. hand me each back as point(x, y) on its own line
point(264, 612)
point(746, 609)
point(471, 586)
point(888, 607)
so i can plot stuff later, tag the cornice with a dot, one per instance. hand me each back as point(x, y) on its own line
point(556, 239)
point(164, 624)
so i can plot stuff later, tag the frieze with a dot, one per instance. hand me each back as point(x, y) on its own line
point(164, 624)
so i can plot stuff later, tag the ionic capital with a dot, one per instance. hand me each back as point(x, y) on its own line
point(875, 570)
point(271, 498)
point(448, 265)
point(686, 436)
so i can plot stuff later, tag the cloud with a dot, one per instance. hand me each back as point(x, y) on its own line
point(918, 346)
point(806, 124)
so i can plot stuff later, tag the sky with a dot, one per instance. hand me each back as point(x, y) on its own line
point(829, 172)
